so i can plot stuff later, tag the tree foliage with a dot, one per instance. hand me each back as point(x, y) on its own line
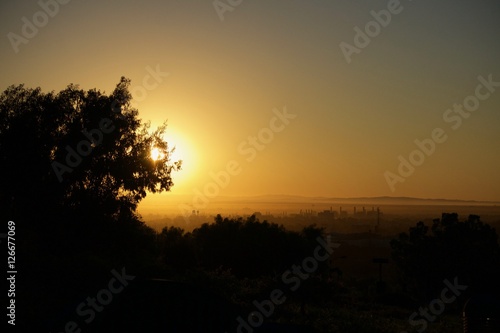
point(246, 247)
point(468, 250)
point(78, 150)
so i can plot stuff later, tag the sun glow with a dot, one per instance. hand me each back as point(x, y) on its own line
point(182, 151)
point(156, 154)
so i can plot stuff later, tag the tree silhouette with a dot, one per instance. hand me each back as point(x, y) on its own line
point(468, 250)
point(75, 164)
point(176, 248)
point(248, 247)
point(78, 151)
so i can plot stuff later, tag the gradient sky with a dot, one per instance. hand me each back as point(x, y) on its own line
point(226, 77)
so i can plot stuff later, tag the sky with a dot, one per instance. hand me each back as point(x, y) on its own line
point(313, 98)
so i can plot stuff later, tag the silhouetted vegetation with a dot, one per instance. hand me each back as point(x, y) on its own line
point(248, 248)
point(81, 153)
point(75, 166)
point(449, 248)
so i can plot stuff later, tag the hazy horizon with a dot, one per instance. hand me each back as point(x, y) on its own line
point(279, 205)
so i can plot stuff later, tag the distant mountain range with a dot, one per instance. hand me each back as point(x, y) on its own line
point(383, 200)
point(430, 207)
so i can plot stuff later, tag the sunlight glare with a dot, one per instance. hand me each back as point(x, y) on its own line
point(184, 151)
point(156, 154)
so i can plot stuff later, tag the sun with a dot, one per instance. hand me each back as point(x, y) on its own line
point(156, 154)
point(183, 151)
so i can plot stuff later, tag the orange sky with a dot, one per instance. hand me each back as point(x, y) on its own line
point(224, 86)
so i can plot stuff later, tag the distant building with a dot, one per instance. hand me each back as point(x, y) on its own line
point(327, 215)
